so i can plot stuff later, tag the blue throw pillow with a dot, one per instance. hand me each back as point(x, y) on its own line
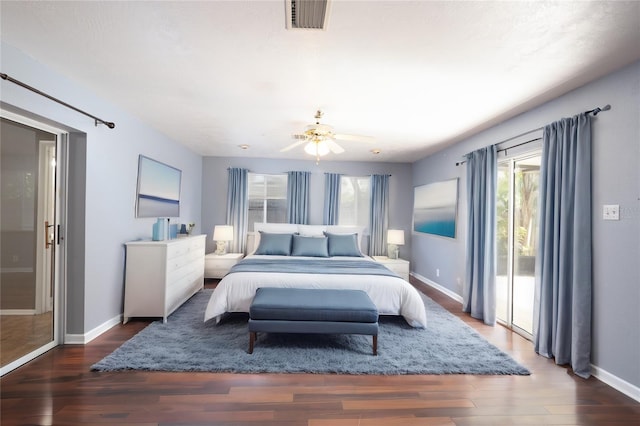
point(310, 246)
point(343, 245)
point(275, 244)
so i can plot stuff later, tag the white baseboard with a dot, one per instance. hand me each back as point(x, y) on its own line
point(616, 382)
point(438, 287)
point(17, 311)
point(83, 339)
point(604, 376)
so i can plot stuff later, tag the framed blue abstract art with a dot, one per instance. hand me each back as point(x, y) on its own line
point(158, 192)
point(435, 207)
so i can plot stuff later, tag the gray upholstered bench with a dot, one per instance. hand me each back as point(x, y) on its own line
point(302, 310)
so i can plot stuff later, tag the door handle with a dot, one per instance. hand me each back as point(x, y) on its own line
point(47, 241)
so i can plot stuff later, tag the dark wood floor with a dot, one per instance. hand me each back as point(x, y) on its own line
point(58, 388)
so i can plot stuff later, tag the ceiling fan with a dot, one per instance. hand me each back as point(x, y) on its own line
point(320, 139)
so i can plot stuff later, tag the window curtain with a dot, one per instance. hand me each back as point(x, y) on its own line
point(379, 215)
point(331, 198)
point(479, 292)
point(562, 309)
point(298, 197)
point(238, 208)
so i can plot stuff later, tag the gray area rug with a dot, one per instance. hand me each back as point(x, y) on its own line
point(186, 343)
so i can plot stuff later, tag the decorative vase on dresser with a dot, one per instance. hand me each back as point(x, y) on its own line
point(161, 275)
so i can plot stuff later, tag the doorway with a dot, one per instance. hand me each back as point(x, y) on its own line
point(517, 244)
point(29, 240)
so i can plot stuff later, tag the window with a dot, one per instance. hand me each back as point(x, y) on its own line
point(267, 198)
point(354, 200)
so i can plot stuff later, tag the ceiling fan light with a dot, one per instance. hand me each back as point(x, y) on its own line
point(323, 148)
point(317, 149)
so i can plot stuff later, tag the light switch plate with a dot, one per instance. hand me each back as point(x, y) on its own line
point(611, 212)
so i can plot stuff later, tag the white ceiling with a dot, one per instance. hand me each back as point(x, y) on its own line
point(416, 75)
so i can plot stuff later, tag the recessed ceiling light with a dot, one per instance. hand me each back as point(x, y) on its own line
point(376, 151)
point(244, 146)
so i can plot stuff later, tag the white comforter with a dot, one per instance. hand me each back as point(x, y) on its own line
point(391, 295)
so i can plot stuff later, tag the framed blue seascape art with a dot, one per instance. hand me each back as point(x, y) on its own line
point(158, 189)
point(435, 208)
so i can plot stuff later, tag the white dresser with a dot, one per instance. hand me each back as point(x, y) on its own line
point(161, 275)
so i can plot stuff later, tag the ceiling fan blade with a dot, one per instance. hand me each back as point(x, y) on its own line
point(293, 145)
point(357, 138)
point(334, 147)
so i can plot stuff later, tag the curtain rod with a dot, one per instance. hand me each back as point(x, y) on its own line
point(594, 111)
point(109, 124)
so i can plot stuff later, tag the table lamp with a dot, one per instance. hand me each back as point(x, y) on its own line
point(222, 234)
point(395, 238)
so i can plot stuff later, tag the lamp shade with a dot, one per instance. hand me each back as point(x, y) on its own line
point(395, 236)
point(318, 148)
point(223, 233)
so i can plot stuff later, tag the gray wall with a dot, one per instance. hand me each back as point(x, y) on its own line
point(616, 180)
point(76, 241)
point(110, 175)
point(214, 188)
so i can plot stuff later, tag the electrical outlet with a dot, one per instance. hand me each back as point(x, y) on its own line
point(15, 258)
point(437, 272)
point(611, 212)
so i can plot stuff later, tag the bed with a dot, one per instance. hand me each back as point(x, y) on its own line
point(307, 264)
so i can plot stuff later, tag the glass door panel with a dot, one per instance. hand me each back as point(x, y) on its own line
point(503, 266)
point(527, 176)
point(516, 239)
point(27, 220)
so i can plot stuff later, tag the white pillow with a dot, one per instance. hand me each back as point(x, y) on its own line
point(312, 230)
point(276, 228)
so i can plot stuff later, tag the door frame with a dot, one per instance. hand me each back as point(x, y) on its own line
point(60, 215)
point(47, 197)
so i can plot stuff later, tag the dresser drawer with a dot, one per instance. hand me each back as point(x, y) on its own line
point(183, 246)
point(183, 260)
point(182, 289)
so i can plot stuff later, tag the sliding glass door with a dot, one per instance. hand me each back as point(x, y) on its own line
point(28, 241)
point(517, 233)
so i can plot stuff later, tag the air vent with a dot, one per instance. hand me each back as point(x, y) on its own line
point(307, 14)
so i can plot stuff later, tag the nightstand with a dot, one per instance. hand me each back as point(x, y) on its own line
point(216, 266)
point(399, 266)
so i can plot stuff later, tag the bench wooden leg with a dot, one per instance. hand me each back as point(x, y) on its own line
point(375, 344)
point(252, 339)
